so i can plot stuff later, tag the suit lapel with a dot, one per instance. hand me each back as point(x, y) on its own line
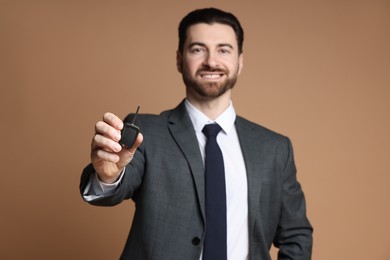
point(183, 132)
point(248, 139)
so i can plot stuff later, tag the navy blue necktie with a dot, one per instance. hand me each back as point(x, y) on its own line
point(215, 243)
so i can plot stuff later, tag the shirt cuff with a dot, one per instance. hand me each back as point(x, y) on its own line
point(96, 189)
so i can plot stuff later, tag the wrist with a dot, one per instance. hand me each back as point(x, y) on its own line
point(109, 179)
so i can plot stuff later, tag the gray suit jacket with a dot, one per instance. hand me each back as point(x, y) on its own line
point(166, 181)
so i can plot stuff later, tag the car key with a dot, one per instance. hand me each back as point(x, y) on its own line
point(129, 132)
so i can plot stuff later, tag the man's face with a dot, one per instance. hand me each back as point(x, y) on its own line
point(210, 62)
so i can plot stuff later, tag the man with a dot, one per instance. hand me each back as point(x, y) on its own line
point(164, 172)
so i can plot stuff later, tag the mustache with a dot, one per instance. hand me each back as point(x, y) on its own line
point(210, 69)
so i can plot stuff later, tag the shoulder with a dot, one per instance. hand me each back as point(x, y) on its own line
point(247, 126)
point(257, 139)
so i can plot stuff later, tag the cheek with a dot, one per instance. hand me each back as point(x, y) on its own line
point(190, 66)
point(234, 67)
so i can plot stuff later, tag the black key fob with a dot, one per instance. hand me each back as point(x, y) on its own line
point(129, 133)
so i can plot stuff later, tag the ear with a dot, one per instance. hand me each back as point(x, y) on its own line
point(240, 63)
point(179, 61)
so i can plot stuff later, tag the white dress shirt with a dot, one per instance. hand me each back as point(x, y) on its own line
point(235, 177)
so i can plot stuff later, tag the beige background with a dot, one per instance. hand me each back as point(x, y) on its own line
point(316, 71)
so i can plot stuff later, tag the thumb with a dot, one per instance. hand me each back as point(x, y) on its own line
point(137, 143)
point(126, 155)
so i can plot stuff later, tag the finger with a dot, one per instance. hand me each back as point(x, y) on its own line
point(107, 130)
point(101, 142)
point(102, 155)
point(113, 120)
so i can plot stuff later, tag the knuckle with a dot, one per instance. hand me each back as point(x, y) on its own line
point(107, 117)
point(96, 138)
point(103, 155)
point(99, 126)
point(100, 153)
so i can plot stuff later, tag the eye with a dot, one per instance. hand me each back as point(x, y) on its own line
point(224, 51)
point(196, 50)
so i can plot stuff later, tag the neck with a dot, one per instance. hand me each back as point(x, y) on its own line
point(211, 107)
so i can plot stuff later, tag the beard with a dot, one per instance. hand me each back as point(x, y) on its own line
point(209, 89)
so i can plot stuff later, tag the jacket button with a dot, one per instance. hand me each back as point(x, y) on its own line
point(195, 241)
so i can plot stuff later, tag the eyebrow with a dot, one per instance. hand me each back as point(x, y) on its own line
point(204, 45)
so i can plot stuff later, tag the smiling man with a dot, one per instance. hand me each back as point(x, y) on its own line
point(210, 61)
point(207, 183)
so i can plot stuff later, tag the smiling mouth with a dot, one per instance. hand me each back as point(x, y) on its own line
point(212, 75)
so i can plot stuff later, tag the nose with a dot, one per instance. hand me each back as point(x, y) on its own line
point(210, 60)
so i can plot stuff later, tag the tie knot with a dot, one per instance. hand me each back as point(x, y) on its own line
point(211, 130)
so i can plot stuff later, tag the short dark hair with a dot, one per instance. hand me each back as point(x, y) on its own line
point(210, 16)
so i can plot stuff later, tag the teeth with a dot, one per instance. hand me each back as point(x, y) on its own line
point(212, 76)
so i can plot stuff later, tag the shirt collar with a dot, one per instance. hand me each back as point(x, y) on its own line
point(199, 120)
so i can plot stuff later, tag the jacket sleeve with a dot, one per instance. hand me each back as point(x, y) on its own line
point(294, 232)
point(129, 183)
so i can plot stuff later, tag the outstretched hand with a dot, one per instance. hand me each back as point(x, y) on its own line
point(108, 157)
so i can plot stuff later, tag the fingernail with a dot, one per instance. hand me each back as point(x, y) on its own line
point(117, 147)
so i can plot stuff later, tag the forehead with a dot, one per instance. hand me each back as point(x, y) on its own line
point(211, 34)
